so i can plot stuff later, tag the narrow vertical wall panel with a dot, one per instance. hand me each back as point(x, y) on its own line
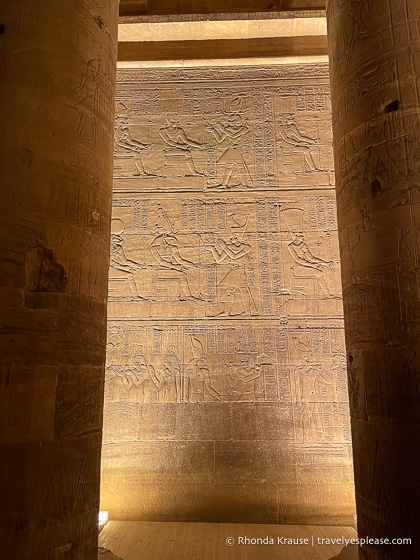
point(226, 395)
point(375, 63)
point(57, 84)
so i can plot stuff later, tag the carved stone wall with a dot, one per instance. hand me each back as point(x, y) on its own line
point(226, 391)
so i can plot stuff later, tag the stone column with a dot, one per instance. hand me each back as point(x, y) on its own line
point(57, 80)
point(375, 69)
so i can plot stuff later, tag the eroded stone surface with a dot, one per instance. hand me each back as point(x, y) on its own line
point(226, 395)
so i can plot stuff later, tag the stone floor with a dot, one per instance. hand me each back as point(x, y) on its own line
point(104, 554)
point(136, 540)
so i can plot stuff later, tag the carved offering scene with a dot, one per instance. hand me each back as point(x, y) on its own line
point(236, 256)
point(226, 390)
point(214, 130)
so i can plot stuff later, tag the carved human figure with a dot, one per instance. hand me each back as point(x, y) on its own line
point(403, 248)
point(367, 218)
point(312, 391)
point(144, 381)
point(230, 136)
point(178, 143)
point(381, 163)
point(339, 375)
point(358, 28)
point(198, 381)
point(126, 267)
point(300, 143)
point(170, 379)
point(117, 383)
point(303, 255)
point(87, 103)
point(124, 139)
point(233, 250)
point(233, 287)
point(241, 380)
point(165, 250)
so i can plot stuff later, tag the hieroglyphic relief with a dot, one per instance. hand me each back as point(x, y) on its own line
point(239, 363)
point(225, 257)
point(241, 135)
point(224, 284)
point(380, 151)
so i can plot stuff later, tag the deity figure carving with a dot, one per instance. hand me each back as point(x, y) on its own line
point(298, 142)
point(144, 381)
point(165, 250)
point(117, 382)
point(241, 380)
point(124, 267)
point(125, 140)
point(170, 379)
point(358, 26)
point(302, 254)
point(198, 382)
point(178, 145)
point(312, 390)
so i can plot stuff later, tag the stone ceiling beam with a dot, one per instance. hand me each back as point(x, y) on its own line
point(237, 48)
point(216, 30)
point(225, 16)
point(160, 7)
point(197, 40)
point(130, 7)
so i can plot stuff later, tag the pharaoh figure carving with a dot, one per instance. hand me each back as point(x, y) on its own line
point(234, 292)
point(87, 89)
point(312, 388)
point(230, 137)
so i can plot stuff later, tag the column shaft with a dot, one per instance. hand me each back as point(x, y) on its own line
point(57, 82)
point(375, 68)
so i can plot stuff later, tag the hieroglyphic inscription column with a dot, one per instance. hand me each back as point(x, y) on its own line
point(375, 65)
point(57, 76)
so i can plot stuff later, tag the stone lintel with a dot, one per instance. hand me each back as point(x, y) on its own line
point(156, 7)
point(237, 48)
point(193, 63)
point(164, 18)
point(218, 30)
